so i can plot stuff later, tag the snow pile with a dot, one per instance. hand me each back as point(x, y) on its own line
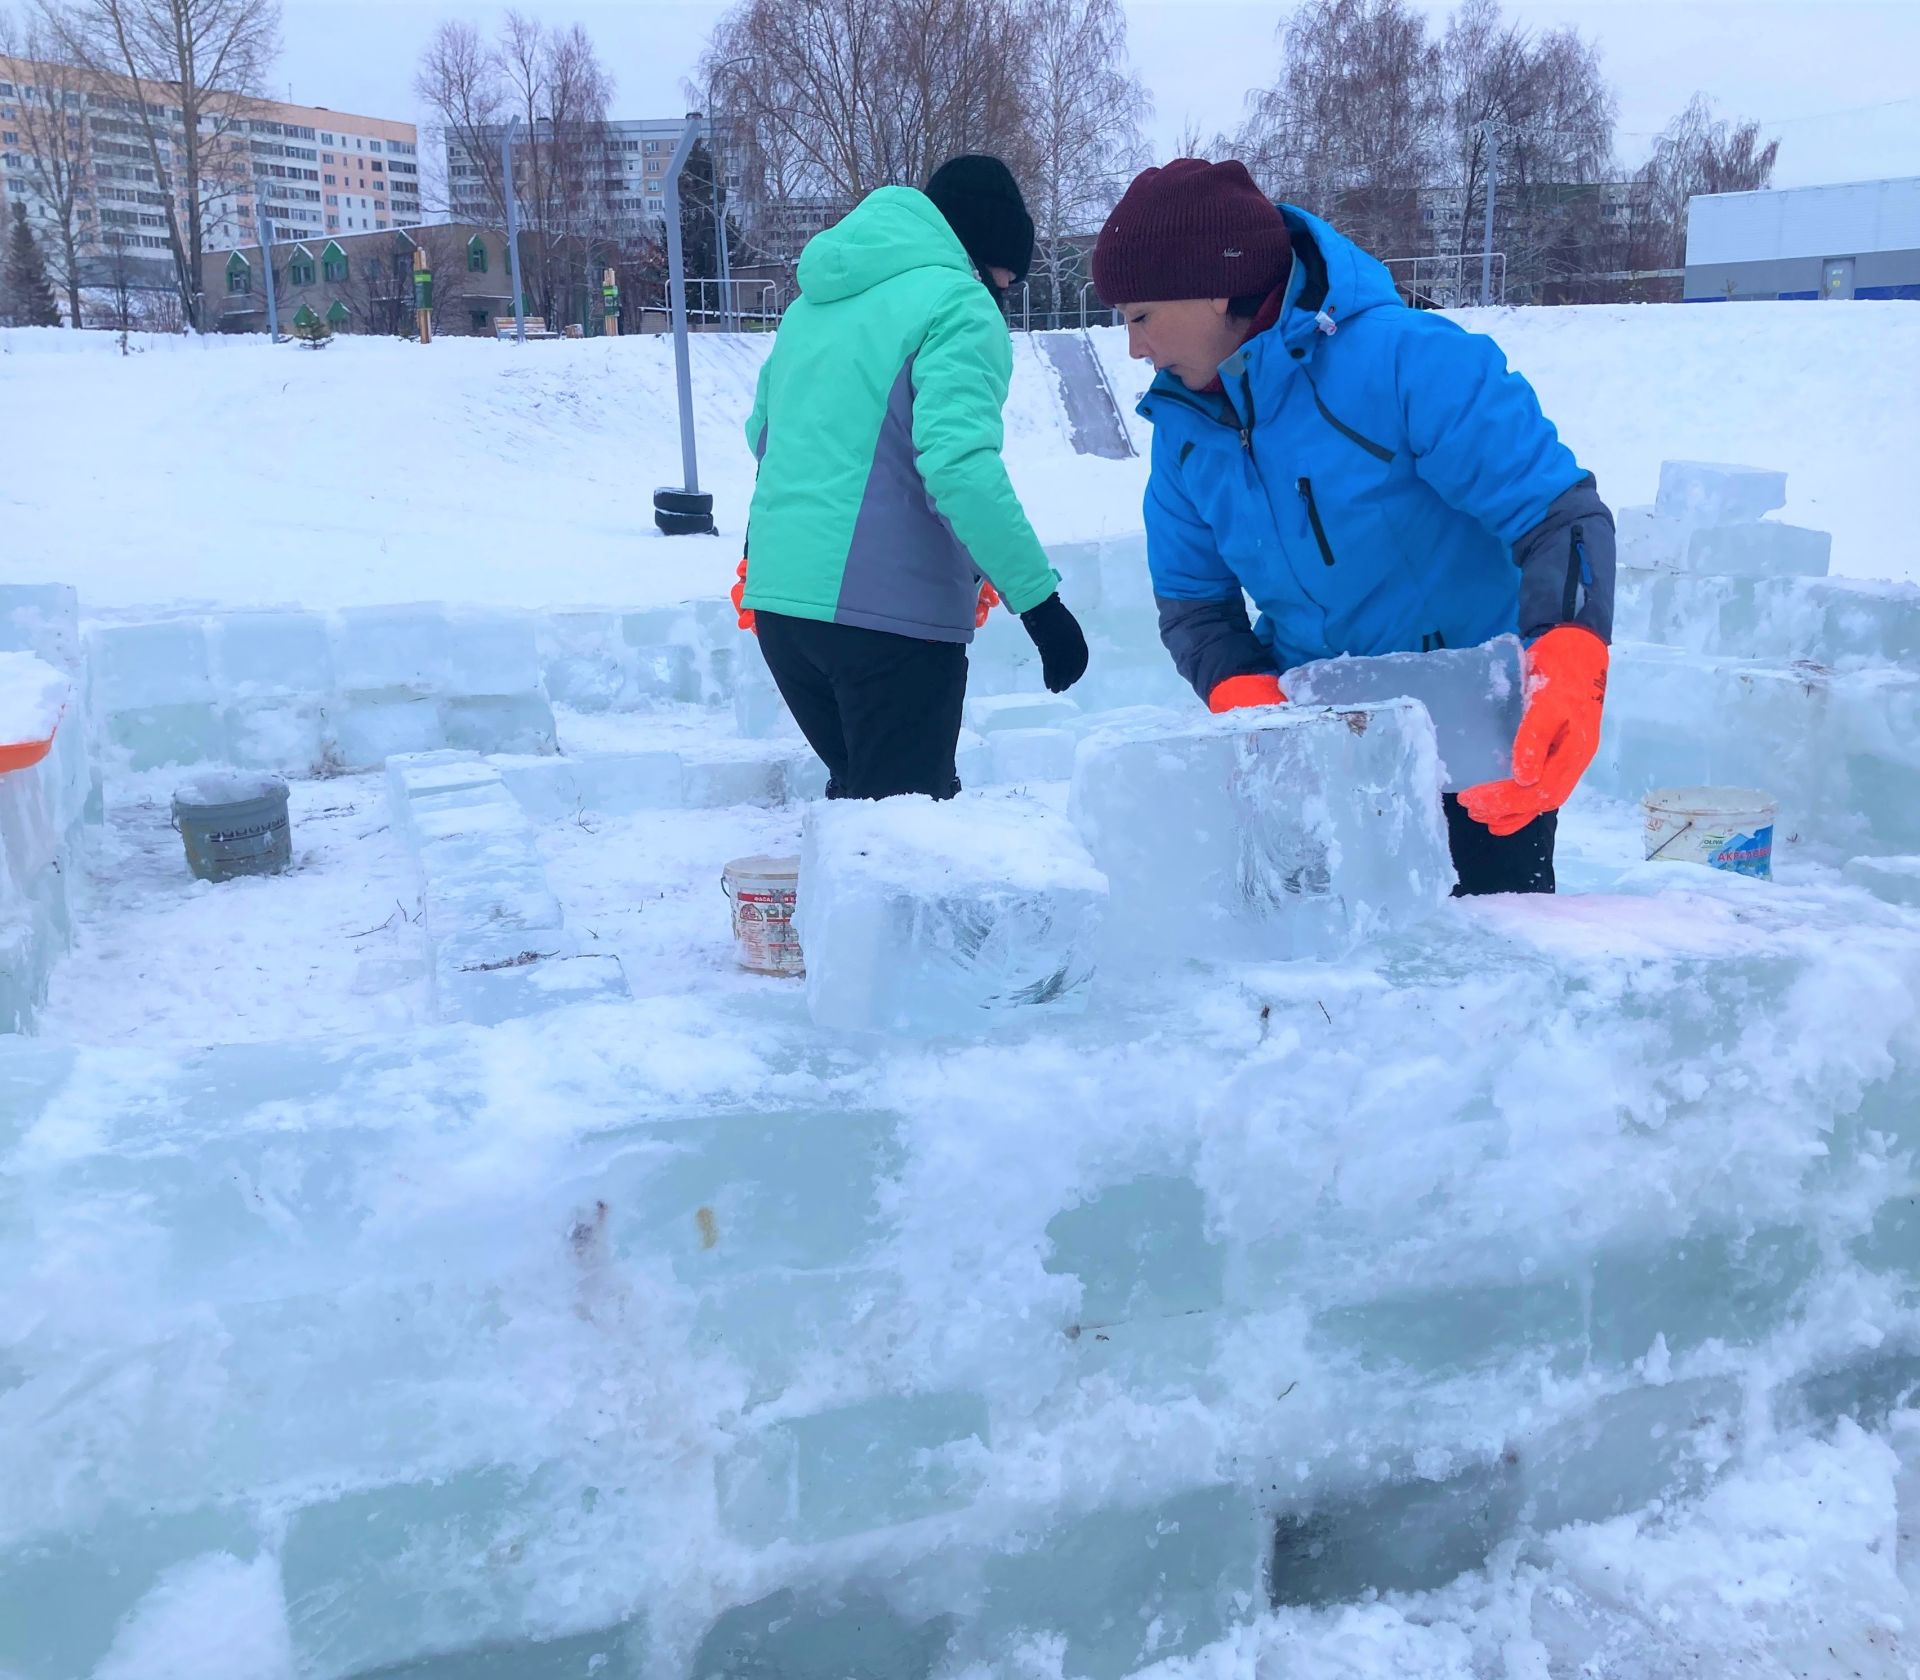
point(32, 697)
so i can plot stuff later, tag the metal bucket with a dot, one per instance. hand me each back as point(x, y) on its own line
point(233, 823)
point(1723, 827)
point(762, 891)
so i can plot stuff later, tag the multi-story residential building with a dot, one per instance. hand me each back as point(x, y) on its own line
point(621, 184)
point(315, 171)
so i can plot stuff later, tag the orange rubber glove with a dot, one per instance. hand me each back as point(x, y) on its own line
point(739, 592)
point(1237, 693)
point(989, 599)
point(1558, 735)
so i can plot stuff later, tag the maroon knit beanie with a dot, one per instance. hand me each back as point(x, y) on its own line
point(1191, 230)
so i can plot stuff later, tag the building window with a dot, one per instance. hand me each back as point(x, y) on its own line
point(300, 272)
point(333, 262)
point(476, 256)
point(337, 314)
point(477, 320)
point(239, 274)
point(332, 182)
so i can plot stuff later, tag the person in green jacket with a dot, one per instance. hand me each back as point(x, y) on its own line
point(882, 507)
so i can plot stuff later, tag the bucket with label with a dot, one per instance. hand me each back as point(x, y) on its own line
point(233, 823)
point(761, 891)
point(1722, 827)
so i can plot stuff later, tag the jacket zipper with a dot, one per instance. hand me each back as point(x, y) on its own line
point(1577, 573)
point(1305, 487)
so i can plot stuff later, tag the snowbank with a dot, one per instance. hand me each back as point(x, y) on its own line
point(232, 471)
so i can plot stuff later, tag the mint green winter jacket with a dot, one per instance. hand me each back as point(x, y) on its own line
point(882, 499)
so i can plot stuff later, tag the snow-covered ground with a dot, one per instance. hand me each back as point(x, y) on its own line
point(336, 1333)
point(225, 470)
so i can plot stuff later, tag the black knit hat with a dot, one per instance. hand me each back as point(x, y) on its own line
point(981, 201)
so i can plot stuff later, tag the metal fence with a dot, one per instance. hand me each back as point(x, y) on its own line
point(1448, 282)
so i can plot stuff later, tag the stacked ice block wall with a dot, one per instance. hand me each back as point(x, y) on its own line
point(1738, 661)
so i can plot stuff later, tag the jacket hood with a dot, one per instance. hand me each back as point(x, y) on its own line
point(890, 232)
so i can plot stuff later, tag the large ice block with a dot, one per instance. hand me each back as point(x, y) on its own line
point(849, 1635)
point(259, 654)
point(1021, 711)
point(365, 731)
point(1286, 832)
point(42, 619)
point(1474, 695)
point(586, 660)
point(500, 975)
point(139, 667)
point(492, 653)
point(1763, 548)
point(920, 916)
point(392, 650)
point(1030, 755)
point(758, 710)
point(499, 723)
point(1708, 493)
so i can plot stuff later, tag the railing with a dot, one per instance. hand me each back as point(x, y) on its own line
point(1447, 282)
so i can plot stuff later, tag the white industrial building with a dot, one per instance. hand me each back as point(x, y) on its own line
point(1860, 239)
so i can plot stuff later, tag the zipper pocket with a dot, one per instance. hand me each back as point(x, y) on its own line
point(1305, 487)
point(1578, 573)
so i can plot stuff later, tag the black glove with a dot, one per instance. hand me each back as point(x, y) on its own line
point(1063, 649)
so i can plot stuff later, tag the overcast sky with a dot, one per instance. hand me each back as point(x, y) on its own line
point(1835, 79)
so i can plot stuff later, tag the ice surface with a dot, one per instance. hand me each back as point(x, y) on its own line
point(758, 710)
point(1896, 879)
point(611, 784)
point(848, 1635)
point(489, 977)
point(392, 650)
point(1705, 493)
point(665, 673)
point(1474, 695)
point(1031, 755)
point(1139, 1250)
point(919, 916)
point(256, 654)
point(1290, 832)
point(289, 736)
point(511, 723)
point(151, 736)
point(585, 659)
point(147, 667)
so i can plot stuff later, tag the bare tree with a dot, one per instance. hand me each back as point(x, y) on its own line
point(1084, 110)
point(188, 73)
point(563, 163)
point(117, 272)
point(1350, 128)
point(1701, 153)
point(51, 119)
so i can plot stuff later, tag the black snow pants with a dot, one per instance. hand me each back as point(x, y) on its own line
point(1494, 863)
point(882, 711)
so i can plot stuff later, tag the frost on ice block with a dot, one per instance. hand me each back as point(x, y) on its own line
point(1286, 832)
point(920, 916)
point(1474, 696)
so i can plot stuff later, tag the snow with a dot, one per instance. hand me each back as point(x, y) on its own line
point(523, 476)
point(1532, 1290)
point(32, 697)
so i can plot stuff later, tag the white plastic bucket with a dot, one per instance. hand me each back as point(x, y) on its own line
point(761, 891)
point(1722, 827)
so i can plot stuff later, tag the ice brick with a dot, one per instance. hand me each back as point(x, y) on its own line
point(501, 723)
point(1474, 695)
point(920, 916)
point(149, 667)
point(1139, 1250)
point(609, 784)
point(1645, 1443)
point(1401, 1536)
point(758, 710)
point(1021, 711)
point(1895, 879)
point(713, 780)
point(1125, 1587)
point(270, 654)
point(851, 1635)
point(613, 1653)
point(730, 1195)
point(285, 735)
point(1713, 1286)
point(1647, 540)
point(476, 900)
point(665, 673)
point(192, 732)
point(392, 650)
point(585, 660)
point(1031, 755)
point(366, 731)
point(446, 770)
point(888, 1460)
point(491, 654)
point(1287, 832)
point(1445, 1330)
point(42, 619)
point(487, 978)
point(397, 1574)
point(62, 1597)
point(1764, 548)
point(1707, 493)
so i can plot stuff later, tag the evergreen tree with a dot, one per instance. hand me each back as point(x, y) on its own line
point(26, 295)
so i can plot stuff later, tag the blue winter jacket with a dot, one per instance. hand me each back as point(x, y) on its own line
point(1373, 477)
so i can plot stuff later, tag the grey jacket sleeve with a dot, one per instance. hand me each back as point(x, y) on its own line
point(1566, 565)
point(1211, 641)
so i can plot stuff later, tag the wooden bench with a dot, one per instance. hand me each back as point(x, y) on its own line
point(536, 327)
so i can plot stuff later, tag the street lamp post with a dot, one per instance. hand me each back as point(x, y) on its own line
point(513, 231)
point(687, 510)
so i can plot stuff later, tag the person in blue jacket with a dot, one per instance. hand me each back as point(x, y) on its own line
point(1375, 478)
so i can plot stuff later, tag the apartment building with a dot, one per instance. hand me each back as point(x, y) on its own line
point(621, 183)
point(314, 170)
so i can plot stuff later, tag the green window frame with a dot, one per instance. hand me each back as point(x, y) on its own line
point(300, 273)
point(333, 262)
point(476, 256)
point(338, 314)
point(239, 274)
